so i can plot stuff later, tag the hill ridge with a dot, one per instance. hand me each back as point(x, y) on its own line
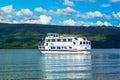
point(28, 35)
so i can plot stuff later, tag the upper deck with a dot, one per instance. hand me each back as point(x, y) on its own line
point(52, 35)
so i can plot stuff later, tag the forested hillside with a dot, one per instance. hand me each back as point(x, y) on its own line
point(28, 35)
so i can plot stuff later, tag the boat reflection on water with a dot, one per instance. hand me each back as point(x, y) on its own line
point(62, 67)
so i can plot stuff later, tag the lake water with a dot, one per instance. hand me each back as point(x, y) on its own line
point(28, 64)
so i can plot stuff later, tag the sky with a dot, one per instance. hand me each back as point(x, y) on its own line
point(61, 12)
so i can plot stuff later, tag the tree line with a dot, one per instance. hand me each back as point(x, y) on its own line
point(28, 35)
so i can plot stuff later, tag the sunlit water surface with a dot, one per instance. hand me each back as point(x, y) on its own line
point(28, 64)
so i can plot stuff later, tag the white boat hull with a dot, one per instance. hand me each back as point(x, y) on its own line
point(65, 51)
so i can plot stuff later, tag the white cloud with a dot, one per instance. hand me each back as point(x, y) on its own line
point(43, 19)
point(100, 23)
point(95, 14)
point(69, 22)
point(43, 11)
point(116, 15)
point(105, 5)
point(82, 23)
point(68, 3)
point(7, 14)
point(68, 9)
point(114, 1)
point(64, 11)
point(118, 25)
point(7, 9)
point(4, 21)
point(18, 13)
point(24, 12)
point(40, 10)
point(107, 24)
point(10, 15)
point(15, 22)
point(72, 12)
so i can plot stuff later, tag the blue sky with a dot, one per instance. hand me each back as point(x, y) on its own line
point(61, 12)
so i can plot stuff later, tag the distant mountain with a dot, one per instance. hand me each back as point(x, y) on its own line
point(28, 35)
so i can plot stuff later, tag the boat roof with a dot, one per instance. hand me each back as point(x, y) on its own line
point(56, 36)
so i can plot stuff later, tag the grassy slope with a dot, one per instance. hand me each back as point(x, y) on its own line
point(28, 35)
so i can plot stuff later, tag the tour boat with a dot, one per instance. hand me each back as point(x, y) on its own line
point(56, 44)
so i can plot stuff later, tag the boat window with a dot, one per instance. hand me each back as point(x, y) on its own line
point(89, 42)
point(53, 40)
point(64, 40)
point(74, 43)
point(76, 38)
point(46, 44)
point(52, 47)
point(58, 40)
point(47, 40)
point(69, 40)
point(58, 47)
point(52, 34)
point(83, 42)
point(70, 47)
point(80, 43)
point(86, 42)
point(42, 47)
point(56, 36)
point(64, 47)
